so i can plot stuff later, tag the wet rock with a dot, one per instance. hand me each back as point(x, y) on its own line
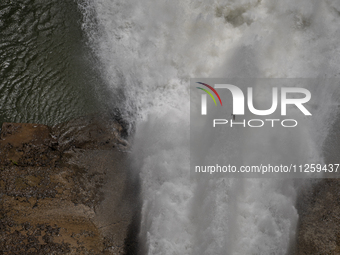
point(67, 189)
point(318, 230)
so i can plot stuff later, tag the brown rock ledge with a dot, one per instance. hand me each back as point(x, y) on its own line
point(67, 189)
point(319, 226)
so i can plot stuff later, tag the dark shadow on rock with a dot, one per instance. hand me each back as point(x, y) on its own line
point(132, 193)
point(318, 205)
point(131, 244)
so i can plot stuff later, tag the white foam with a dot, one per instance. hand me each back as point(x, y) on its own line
point(150, 49)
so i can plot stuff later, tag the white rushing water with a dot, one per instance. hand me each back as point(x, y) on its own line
point(150, 49)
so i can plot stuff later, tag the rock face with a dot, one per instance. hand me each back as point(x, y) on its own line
point(67, 189)
point(319, 209)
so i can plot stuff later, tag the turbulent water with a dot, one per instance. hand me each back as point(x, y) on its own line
point(139, 55)
point(149, 50)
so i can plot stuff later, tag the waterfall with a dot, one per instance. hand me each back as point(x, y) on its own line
point(149, 50)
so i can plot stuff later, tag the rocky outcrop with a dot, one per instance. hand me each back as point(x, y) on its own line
point(67, 189)
point(319, 209)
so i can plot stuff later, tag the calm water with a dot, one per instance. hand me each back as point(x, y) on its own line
point(45, 76)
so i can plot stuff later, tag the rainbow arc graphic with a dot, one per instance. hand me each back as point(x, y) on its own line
point(208, 92)
point(204, 97)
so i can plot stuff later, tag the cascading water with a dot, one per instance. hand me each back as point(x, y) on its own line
point(149, 51)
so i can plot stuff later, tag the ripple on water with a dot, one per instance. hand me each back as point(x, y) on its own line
point(45, 73)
